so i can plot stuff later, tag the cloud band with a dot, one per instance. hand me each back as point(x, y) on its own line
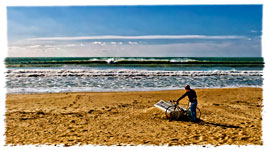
point(148, 37)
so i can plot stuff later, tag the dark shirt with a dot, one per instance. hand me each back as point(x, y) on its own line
point(191, 95)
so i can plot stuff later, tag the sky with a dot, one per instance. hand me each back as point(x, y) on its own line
point(135, 31)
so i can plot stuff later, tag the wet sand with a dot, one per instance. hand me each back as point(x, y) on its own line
point(229, 116)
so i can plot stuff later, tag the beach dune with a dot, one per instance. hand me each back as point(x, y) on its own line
point(230, 116)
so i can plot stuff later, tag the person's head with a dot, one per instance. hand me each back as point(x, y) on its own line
point(187, 88)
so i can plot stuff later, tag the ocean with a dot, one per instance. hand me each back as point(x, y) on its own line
point(105, 74)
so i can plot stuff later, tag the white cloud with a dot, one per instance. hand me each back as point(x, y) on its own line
point(132, 43)
point(70, 45)
point(47, 46)
point(131, 48)
point(98, 43)
point(254, 31)
point(116, 43)
point(35, 46)
point(137, 37)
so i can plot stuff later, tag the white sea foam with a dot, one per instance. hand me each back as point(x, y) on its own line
point(99, 80)
point(124, 72)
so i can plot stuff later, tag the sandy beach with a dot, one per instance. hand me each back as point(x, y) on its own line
point(230, 116)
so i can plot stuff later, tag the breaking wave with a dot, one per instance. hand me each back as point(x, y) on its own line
point(78, 80)
point(58, 61)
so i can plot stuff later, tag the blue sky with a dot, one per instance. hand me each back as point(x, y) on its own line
point(135, 31)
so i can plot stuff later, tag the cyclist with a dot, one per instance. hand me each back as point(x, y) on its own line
point(193, 101)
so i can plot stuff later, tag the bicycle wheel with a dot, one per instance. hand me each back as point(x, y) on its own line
point(172, 113)
point(198, 114)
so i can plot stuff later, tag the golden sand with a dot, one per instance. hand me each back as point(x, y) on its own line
point(229, 116)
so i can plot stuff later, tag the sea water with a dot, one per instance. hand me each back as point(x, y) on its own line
point(98, 74)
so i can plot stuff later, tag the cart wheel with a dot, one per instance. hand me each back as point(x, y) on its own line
point(172, 113)
point(168, 112)
point(198, 113)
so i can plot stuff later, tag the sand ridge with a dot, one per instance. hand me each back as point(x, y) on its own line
point(230, 116)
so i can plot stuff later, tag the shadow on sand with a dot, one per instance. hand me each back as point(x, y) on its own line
point(202, 122)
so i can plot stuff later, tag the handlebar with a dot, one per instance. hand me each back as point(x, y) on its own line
point(175, 101)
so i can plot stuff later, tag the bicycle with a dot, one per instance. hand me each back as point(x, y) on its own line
point(177, 112)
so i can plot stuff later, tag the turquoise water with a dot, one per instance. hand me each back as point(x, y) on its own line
point(30, 75)
point(132, 61)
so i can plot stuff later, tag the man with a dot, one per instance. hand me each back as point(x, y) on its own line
point(192, 99)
